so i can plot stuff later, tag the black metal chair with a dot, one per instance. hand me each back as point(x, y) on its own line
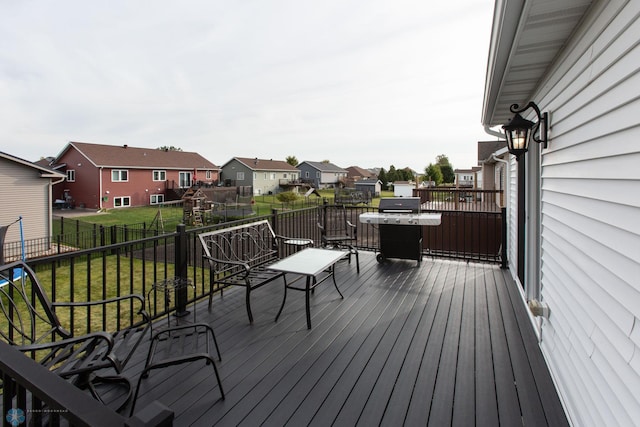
point(336, 231)
point(29, 322)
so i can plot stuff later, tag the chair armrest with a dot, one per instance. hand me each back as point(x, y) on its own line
point(139, 298)
point(104, 336)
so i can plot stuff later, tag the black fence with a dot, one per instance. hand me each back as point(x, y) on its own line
point(133, 267)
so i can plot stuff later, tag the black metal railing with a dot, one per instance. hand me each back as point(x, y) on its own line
point(134, 266)
point(34, 396)
point(460, 199)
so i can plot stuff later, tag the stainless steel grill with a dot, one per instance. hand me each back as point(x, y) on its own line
point(400, 224)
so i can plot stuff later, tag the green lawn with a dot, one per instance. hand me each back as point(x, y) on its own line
point(171, 215)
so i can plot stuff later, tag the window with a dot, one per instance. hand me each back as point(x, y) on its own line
point(240, 176)
point(119, 175)
point(273, 176)
point(208, 175)
point(306, 174)
point(159, 175)
point(184, 179)
point(157, 199)
point(121, 202)
point(71, 175)
point(317, 174)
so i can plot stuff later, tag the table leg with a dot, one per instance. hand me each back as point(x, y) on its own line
point(307, 289)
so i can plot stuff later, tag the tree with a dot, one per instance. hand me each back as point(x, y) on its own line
point(292, 160)
point(442, 160)
point(448, 176)
point(171, 148)
point(433, 173)
point(382, 176)
point(392, 175)
point(287, 197)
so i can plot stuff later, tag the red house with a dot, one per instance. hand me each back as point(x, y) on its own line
point(108, 176)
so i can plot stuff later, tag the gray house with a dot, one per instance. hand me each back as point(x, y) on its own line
point(372, 186)
point(322, 174)
point(265, 176)
point(573, 206)
point(26, 190)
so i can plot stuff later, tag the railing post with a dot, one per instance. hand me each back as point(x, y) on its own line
point(181, 270)
point(503, 252)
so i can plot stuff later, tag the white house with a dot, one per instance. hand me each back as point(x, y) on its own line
point(574, 206)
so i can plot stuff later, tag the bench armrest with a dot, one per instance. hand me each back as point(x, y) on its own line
point(246, 266)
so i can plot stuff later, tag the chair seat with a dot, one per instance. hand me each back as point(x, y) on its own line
point(177, 345)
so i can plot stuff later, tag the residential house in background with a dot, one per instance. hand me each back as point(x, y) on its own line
point(371, 186)
point(322, 174)
point(486, 178)
point(265, 176)
point(112, 176)
point(355, 174)
point(466, 178)
point(26, 190)
point(573, 207)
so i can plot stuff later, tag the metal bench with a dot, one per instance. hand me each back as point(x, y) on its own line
point(240, 255)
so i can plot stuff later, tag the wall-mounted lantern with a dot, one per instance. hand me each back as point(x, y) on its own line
point(519, 131)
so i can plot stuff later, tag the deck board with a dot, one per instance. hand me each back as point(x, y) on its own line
point(435, 344)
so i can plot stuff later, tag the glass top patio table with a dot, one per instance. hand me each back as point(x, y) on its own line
point(311, 263)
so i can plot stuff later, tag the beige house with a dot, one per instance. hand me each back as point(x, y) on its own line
point(26, 192)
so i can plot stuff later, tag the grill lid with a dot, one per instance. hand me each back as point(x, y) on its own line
point(399, 204)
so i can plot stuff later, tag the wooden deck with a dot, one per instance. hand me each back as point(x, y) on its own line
point(446, 343)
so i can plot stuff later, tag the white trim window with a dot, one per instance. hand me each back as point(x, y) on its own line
point(240, 176)
point(157, 199)
point(119, 175)
point(71, 175)
point(159, 175)
point(207, 174)
point(121, 202)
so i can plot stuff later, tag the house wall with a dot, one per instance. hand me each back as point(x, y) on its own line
point(403, 190)
point(269, 181)
point(85, 189)
point(590, 218)
point(24, 193)
point(230, 172)
point(312, 174)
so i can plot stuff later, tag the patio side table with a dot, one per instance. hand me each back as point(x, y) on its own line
point(169, 288)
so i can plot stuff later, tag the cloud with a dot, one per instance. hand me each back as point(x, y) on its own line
point(360, 82)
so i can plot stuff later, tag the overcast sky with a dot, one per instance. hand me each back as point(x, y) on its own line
point(371, 83)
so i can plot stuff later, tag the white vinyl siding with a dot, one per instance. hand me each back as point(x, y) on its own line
point(590, 219)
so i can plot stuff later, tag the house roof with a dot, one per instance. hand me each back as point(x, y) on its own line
point(526, 38)
point(368, 181)
point(101, 155)
point(45, 171)
point(353, 171)
point(263, 164)
point(324, 166)
point(487, 148)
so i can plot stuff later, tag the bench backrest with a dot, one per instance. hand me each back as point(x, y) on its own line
point(250, 244)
